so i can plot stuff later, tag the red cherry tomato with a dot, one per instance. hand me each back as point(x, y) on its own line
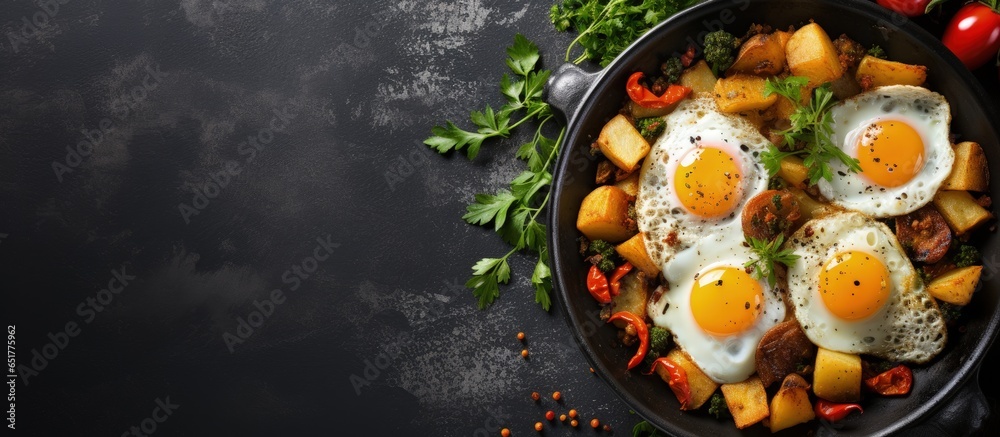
point(974, 33)
point(910, 8)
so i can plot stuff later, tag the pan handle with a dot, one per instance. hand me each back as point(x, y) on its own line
point(567, 87)
point(961, 416)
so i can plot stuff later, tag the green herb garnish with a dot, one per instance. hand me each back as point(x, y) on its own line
point(514, 212)
point(607, 27)
point(768, 253)
point(810, 134)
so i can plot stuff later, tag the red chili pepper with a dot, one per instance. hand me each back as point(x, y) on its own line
point(678, 380)
point(833, 412)
point(597, 284)
point(640, 330)
point(645, 98)
point(895, 381)
point(616, 278)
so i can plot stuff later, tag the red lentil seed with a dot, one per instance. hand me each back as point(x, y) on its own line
point(505, 432)
point(594, 423)
point(520, 336)
point(535, 396)
point(556, 396)
point(550, 415)
point(538, 426)
point(573, 423)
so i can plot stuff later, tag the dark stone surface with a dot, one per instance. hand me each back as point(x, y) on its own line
point(334, 202)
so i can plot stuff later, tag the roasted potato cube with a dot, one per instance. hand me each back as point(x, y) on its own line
point(794, 172)
point(960, 210)
point(810, 208)
point(630, 185)
point(969, 173)
point(604, 215)
point(956, 286)
point(701, 385)
point(791, 406)
point(622, 144)
point(632, 296)
point(747, 401)
point(783, 37)
point(699, 78)
point(784, 108)
point(837, 376)
point(763, 55)
point(634, 251)
point(875, 72)
point(810, 53)
point(742, 93)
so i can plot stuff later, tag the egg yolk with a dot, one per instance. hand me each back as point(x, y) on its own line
point(707, 181)
point(854, 285)
point(891, 152)
point(726, 300)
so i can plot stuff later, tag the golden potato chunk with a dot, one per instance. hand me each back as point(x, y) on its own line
point(604, 215)
point(762, 55)
point(837, 376)
point(634, 251)
point(811, 53)
point(747, 401)
point(630, 185)
point(794, 172)
point(960, 210)
point(741, 93)
point(699, 78)
point(622, 144)
point(956, 286)
point(632, 296)
point(969, 173)
point(791, 406)
point(701, 385)
point(873, 72)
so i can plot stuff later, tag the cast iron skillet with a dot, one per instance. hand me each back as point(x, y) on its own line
point(946, 397)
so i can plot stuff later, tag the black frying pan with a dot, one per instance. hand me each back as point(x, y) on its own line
point(946, 397)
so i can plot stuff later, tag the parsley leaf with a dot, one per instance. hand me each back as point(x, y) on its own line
point(514, 212)
point(607, 27)
point(768, 253)
point(811, 131)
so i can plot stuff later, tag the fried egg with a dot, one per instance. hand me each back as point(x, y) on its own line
point(899, 135)
point(697, 177)
point(717, 311)
point(854, 290)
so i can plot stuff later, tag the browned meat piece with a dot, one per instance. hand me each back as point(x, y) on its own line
point(604, 171)
point(924, 234)
point(769, 214)
point(782, 349)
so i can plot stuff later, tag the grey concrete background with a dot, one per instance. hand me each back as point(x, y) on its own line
point(255, 222)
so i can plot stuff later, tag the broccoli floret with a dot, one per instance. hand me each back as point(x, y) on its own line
point(718, 406)
point(950, 312)
point(967, 256)
point(672, 69)
point(603, 255)
point(924, 276)
point(650, 128)
point(719, 46)
point(877, 52)
point(659, 340)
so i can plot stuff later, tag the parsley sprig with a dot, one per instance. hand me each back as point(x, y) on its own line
point(811, 131)
point(513, 212)
point(606, 27)
point(768, 253)
point(523, 92)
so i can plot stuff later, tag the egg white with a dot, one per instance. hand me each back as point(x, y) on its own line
point(725, 359)
point(661, 216)
point(927, 112)
point(909, 327)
